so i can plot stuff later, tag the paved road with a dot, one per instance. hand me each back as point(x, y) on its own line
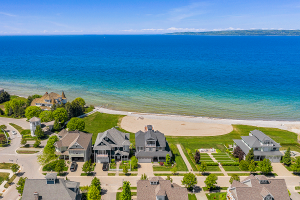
point(188, 165)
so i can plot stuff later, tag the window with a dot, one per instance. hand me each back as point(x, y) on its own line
point(256, 149)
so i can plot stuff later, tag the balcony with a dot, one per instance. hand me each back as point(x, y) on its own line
point(102, 155)
point(150, 145)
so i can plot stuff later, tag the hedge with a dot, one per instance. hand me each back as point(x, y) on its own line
point(212, 164)
point(230, 164)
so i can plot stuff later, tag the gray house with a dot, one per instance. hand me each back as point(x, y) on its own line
point(151, 146)
point(111, 144)
point(74, 145)
point(51, 188)
point(263, 146)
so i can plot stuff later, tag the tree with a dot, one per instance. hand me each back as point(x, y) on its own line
point(37, 143)
point(197, 156)
point(93, 193)
point(252, 167)
point(49, 151)
point(87, 166)
point(189, 180)
point(238, 153)
point(134, 162)
point(144, 177)
point(32, 111)
point(31, 98)
point(14, 108)
point(46, 116)
point(23, 141)
point(265, 166)
point(56, 125)
point(169, 178)
point(168, 160)
point(174, 170)
point(244, 166)
point(287, 157)
point(39, 133)
point(60, 165)
point(250, 156)
point(20, 185)
point(296, 166)
point(14, 168)
point(4, 96)
point(125, 169)
point(96, 182)
point(80, 101)
point(126, 192)
point(210, 181)
point(76, 124)
point(77, 109)
point(203, 167)
point(61, 115)
point(234, 177)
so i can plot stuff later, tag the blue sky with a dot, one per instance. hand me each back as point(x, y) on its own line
point(61, 17)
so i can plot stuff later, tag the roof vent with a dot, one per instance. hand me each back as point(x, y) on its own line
point(36, 195)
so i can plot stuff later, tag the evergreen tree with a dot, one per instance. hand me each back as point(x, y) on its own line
point(197, 156)
point(287, 157)
point(126, 192)
point(250, 156)
point(168, 160)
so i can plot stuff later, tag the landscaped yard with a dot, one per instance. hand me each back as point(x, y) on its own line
point(216, 196)
point(3, 176)
point(5, 165)
point(192, 197)
point(231, 168)
point(213, 168)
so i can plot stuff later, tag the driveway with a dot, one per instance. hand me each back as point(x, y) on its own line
point(145, 168)
point(99, 171)
point(280, 170)
point(78, 171)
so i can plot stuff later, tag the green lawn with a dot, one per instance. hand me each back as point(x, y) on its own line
point(3, 176)
point(178, 159)
point(169, 174)
point(216, 196)
point(231, 168)
point(5, 165)
point(192, 197)
point(19, 128)
point(206, 174)
point(128, 174)
point(213, 169)
point(118, 195)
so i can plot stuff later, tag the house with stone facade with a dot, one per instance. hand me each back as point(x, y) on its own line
point(263, 146)
point(74, 145)
point(111, 144)
point(156, 188)
point(48, 100)
point(258, 187)
point(151, 146)
point(51, 188)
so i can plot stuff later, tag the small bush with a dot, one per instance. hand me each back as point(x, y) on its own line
point(230, 164)
point(161, 164)
point(212, 164)
point(25, 132)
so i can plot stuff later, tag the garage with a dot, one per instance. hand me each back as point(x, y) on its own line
point(144, 160)
point(78, 159)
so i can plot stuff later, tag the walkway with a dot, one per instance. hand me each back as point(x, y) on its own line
point(221, 168)
point(280, 170)
point(201, 196)
point(4, 182)
point(188, 165)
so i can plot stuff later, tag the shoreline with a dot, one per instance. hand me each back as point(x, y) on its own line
point(293, 126)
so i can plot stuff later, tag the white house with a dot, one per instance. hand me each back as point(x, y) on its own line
point(34, 122)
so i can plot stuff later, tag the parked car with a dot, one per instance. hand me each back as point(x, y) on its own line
point(73, 167)
point(14, 132)
point(105, 167)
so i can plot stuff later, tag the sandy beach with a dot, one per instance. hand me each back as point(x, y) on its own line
point(175, 125)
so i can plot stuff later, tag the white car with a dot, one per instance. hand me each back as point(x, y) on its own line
point(14, 132)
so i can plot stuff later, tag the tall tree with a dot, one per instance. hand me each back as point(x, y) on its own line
point(46, 116)
point(87, 166)
point(174, 169)
point(39, 133)
point(61, 115)
point(56, 125)
point(20, 185)
point(234, 177)
point(203, 167)
point(76, 124)
point(287, 157)
point(252, 166)
point(96, 182)
point(59, 167)
point(210, 181)
point(197, 156)
point(168, 160)
point(49, 151)
point(125, 169)
point(238, 153)
point(32, 111)
point(244, 166)
point(189, 180)
point(23, 141)
point(80, 101)
point(126, 192)
point(250, 155)
point(93, 193)
point(296, 166)
point(4, 96)
point(265, 166)
point(134, 162)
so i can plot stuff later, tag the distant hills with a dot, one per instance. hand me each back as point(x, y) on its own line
point(243, 33)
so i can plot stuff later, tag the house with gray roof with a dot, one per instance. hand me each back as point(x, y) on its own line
point(74, 145)
point(51, 188)
point(151, 146)
point(258, 187)
point(156, 188)
point(263, 146)
point(111, 144)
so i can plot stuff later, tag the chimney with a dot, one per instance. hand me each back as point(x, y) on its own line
point(36, 196)
point(145, 128)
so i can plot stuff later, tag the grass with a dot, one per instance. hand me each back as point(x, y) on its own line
point(7, 184)
point(213, 169)
point(12, 97)
point(297, 187)
point(3, 176)
point(178, 159)
point(26, 152)
point(192, 197)
point(169, 174)
point(5, 165)
point(192, 162)
point(87, 174)
point(128, 174)
point(118, 195)
point(111, 174)
point(232, 168)
point(131, 188)
point(286, 138)
point(216, 188)
point(206, 174)
point(216, 196)
point(19, 128)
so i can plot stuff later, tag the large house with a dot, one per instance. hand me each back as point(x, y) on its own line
point(48, 100)
point(151, 146)
point(51, 188)
point(74, 145)
point(258, 187)
point(111, 144)
point(263, 146)
point(156, 188)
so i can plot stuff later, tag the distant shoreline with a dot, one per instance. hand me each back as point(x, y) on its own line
point(242, 33)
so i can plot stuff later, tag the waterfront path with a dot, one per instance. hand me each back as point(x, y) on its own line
point(188, 165)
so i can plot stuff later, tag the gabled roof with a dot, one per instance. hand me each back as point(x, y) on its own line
point(117, 138)
point(51, 176)
point(262, 137)
point(141, 137)
point(72, 137)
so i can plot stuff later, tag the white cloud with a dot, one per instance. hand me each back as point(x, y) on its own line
point(8, 14)
point(227, 29)
point(193, 9)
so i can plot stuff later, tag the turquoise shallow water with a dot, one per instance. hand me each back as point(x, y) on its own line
point(225, 77)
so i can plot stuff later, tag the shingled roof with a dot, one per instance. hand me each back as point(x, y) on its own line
point(115, 138)
point(252, 189)
point(71, 137)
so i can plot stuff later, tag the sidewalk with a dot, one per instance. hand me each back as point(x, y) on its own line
point(4, 182)
point(188, 165)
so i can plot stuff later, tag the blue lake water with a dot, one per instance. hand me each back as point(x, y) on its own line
point(241, 77)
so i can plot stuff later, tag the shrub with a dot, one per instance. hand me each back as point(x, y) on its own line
point(25, 132)
point(212, 164)
point(51, 166)
point(161, 164)
point(230, 164)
